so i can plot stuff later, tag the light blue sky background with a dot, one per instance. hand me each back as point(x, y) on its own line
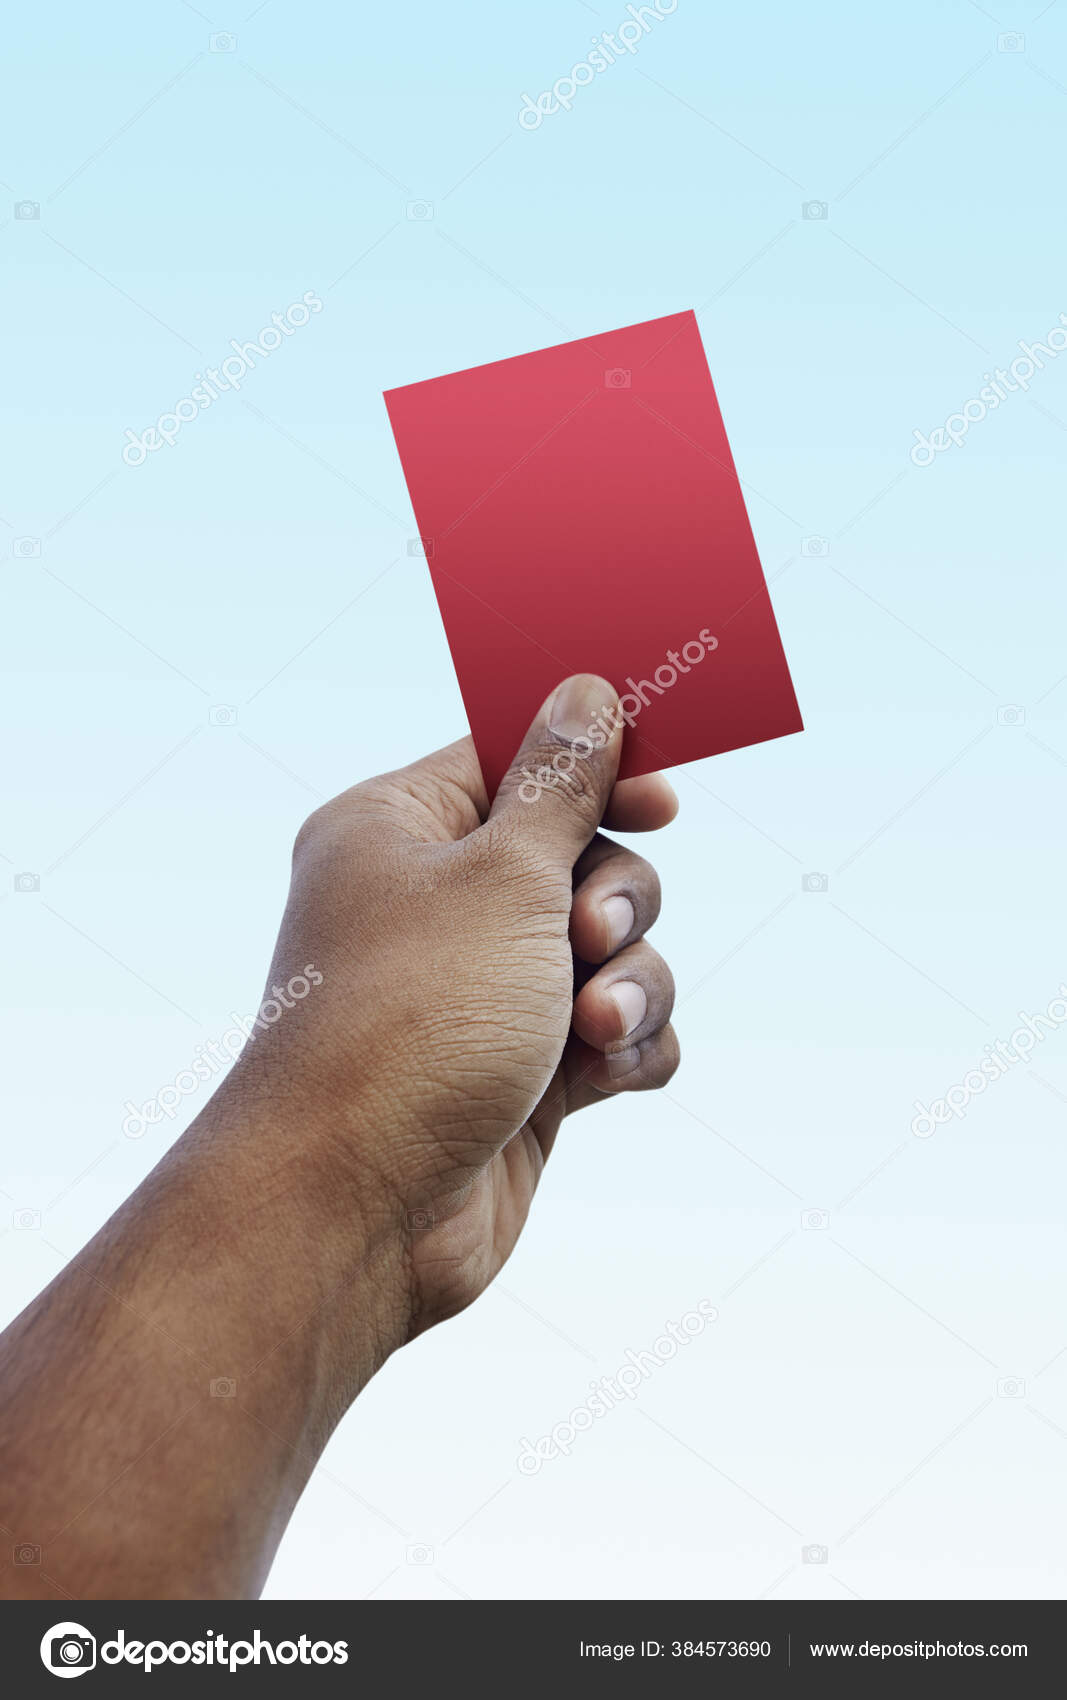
point(847, 1396)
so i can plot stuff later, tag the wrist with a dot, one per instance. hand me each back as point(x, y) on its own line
point(307, 1253)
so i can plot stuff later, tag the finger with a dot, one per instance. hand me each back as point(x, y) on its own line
point(616, 899)
point(557, 788)
point(641, 805)
point(626, 1001)
point(593, 1078)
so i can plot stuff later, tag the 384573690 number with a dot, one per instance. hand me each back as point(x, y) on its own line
point(720, 1649)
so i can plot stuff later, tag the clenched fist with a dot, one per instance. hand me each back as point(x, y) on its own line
point(485, 974)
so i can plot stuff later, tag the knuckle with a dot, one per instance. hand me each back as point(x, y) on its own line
point(328, 825)
point(654, 970)
point(653, 890)
point(637, 874)
point(310, 832)
point(643, 874)
point(671, 1056)
point(571, 775)
point(631, 873)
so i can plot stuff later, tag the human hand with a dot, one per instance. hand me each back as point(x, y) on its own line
point(362, 1173)
point(485, 973)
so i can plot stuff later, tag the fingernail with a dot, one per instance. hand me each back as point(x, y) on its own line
point(632, 1003)
point(618, 913)
point(623, 1062)
point(577, 706)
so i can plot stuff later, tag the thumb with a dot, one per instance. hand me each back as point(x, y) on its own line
point(557, 788)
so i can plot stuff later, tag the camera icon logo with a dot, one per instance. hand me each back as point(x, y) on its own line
point(1010, 42)
point(815, 882)
point(814, 1221)
point(420, 1220)
point(27, 882)
point(421, 547)
point(27, 209)
point(1011, 1387)
point(26, 548)
point(815, 1554)
point(26, 1554)
point(68, 1649)
point(420, 211)
point(420, 1555)
point(223, 42)
point(223, 1387)
point(1011, 715)
point(815, 209)
point(223, 714)
point(617, 378)
point(816, 547)
point(26, 1220)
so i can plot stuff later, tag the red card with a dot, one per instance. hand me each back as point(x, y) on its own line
point(580, 513)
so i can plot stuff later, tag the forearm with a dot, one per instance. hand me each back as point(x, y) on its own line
point(163, 1402)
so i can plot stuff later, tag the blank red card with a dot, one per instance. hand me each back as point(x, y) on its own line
point(580, 513)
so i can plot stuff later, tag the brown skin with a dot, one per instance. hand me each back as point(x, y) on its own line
point(363, 1172)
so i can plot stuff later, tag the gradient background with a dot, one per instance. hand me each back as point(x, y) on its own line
point(847, 1397)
